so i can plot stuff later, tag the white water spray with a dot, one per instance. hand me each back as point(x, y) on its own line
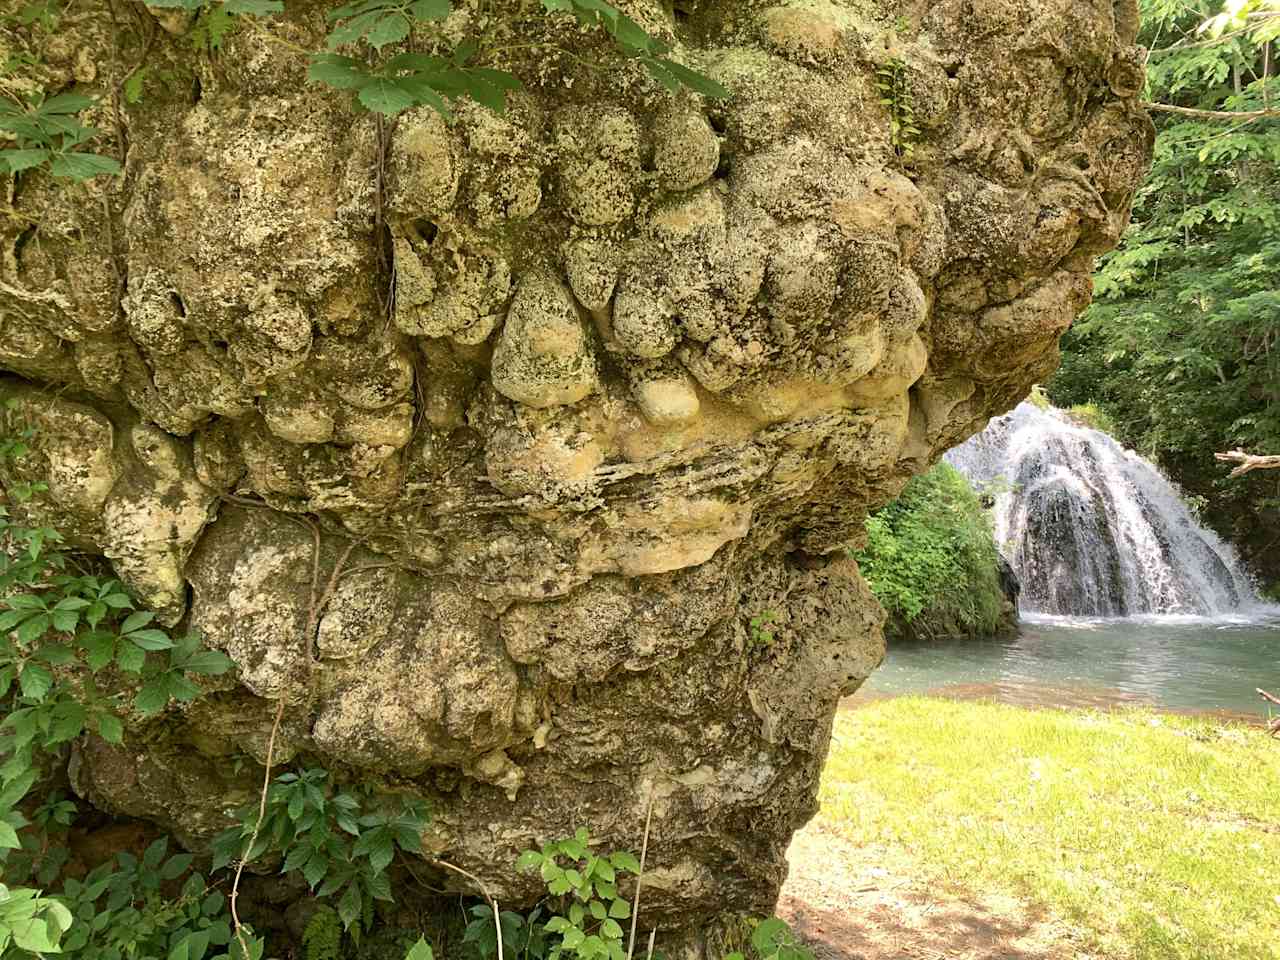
point(1093, 529)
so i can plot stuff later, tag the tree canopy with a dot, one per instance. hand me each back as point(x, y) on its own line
point(1182, 346)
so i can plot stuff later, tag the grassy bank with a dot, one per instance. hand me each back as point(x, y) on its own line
point(1154, 836)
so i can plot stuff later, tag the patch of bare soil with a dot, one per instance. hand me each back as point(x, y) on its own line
point(864, 903)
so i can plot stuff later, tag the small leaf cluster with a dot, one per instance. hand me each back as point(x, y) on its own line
point(761, 635)
point(322, 938)
point(120, 911)
point(586, 925)
point(522, 936)
point(47, 132)
point(637, 44)
point(340, 841)
point(30, 922)
point(894, 86)
point(773, 939)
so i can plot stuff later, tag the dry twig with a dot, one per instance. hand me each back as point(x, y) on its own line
point(484, 891)
point(635, 903)
point(317, 604)
point(1248, 462)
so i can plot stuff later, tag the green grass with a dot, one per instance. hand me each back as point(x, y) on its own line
point(1156, 836)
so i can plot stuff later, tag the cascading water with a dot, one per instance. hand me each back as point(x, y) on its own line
point(1093, 529)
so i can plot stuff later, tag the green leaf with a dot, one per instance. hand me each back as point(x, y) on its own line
point(387, 97)
point(136, 621)
point(766, 936)
point(65, 104)
point(622, 860)
point(430, 9)
point(11, 618)
point(176, 866)
point(182, 689)
point(33, 629)
point(9, 837)
point(55, 654)
point(349, 907)
point(314, 870)
point(153, 697)
point(610, 928)
point(83, 166)
point(420, 951)
point(97, 610)
point(130, 658)
point(254, 8)
point(528, 860)
point(110, 728)
point(335, 70)
point(118, 601)
point(390, 29)
point(695, 81)
point(353, 29)
point(150, 639)
point(15, 161)
point(208, 663)
point(100, 647)
point(35, 681)
point(619, 909)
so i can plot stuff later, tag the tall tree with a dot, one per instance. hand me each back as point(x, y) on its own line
point(1182, 346)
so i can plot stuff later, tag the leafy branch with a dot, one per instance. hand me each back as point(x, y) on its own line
point(409, 79)
point(48, 132)
point(337, 840)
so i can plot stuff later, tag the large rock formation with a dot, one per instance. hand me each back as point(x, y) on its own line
point(570, 394)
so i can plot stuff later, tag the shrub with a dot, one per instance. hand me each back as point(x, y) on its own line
point(1092, 416)
point(931, 560)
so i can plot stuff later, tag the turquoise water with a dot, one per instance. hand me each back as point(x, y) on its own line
point(1179, 663)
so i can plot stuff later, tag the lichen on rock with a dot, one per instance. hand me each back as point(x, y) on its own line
point(565, 397)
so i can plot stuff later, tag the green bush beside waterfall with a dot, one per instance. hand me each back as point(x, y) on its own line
point(932, 563)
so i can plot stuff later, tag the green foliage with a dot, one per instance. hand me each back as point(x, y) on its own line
point(408, 79)
point(637, 44)
point(1182, 347)
point(895, 94)
point(212, 27)
point(584, 909)
point(30, 922)
point(61, 630)
point(47, 132)
point(1092, 416)
point(773, 939)
point(322, 938)
point(369, 52)
point(341, 842)
point(120, 910)
point(761, 635)
point(930, 558)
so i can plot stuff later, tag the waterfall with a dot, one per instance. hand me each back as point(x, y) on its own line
point(1093, 529)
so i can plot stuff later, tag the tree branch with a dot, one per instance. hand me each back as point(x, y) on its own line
point(1214, 114)
point(1248, 462)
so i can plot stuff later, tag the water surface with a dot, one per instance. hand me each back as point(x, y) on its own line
point(1177, 663)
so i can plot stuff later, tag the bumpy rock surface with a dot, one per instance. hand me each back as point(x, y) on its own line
point(570, 394)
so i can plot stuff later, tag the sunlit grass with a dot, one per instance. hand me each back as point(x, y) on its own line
point(1157, 836)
